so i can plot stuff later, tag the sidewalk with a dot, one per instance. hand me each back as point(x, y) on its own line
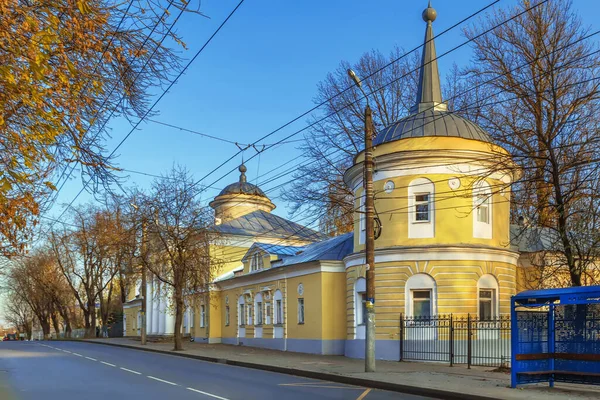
point(415, 377)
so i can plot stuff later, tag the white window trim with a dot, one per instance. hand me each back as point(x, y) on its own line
point(303, 319)
point(202, 316)
point(421, 229)
point(278, 297)
point(268, 310)
point(258, 309)
point(241, 313)
point(482, 230)
point(227, 316)
point(256, 261)
point(420, 282)
point(489, 282)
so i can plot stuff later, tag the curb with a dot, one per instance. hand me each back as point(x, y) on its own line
point(369, 383)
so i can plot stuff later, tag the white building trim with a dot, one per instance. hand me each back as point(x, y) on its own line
point(431, 253)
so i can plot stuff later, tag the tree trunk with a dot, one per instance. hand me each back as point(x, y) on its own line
point(45, 328)
point(56, 324)
point(90, 327)
point(179, 308)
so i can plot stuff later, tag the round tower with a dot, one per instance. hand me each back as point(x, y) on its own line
point(240, 198)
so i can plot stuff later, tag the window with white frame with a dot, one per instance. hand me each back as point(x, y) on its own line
point(421, 301)
point(268, 313)
point(249, 314)
point(487, 291)
point(256, 262)
point(421, 208)
point(278, 303)
point(258, 309)
point(486, 304)
point(300, 311)
point(227, 316)
point(482, 210)
point(242, 315)
point(420, 296)
point(202, 316)
point(192, 317)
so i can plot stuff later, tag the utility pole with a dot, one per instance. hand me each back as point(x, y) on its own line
point(370, 230)
point(144, 290)
point(370, 242)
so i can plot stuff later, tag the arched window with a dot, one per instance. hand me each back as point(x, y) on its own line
point(421, 215)
point(421, 296)
point(487, 295)
point(360, 302)
point(482, 210)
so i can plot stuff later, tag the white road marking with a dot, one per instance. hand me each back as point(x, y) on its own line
point(162, 380)
point(77, 354)
point(67, 351)
point(90, 358)
point(130, 370)
point(109, 364)
point(207, 394)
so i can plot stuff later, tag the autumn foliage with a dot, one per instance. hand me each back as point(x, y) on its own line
point(66, 67)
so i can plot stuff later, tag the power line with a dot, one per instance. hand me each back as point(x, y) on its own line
point(159, 98)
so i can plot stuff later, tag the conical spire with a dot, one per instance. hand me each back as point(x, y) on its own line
point(429, 95)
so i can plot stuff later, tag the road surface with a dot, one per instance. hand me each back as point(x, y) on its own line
point(77, 370)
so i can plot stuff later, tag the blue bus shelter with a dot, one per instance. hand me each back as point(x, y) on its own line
point(555, 336)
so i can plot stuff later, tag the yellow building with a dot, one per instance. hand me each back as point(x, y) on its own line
point(442, 193)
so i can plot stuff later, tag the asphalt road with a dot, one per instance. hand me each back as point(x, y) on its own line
point(74, 370)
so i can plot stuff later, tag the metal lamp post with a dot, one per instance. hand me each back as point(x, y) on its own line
point(370, 231)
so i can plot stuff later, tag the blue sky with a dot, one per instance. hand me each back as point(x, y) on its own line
point(262, 70)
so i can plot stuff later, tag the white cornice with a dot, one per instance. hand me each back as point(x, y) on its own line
point(426, 162)
point(430, 253)
point(291, 271)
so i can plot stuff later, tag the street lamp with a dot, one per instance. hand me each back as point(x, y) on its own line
point(144, 291)
point(370, 231)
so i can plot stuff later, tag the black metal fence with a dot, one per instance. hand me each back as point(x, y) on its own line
point(456, 340)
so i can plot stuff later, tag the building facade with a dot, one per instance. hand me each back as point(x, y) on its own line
point(442, 195)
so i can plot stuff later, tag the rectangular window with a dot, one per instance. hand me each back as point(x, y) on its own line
point(486, 304)
point(278, 312)
point(259, 313)
point(268, 313)
point(422, 304)
point(422, 207)
point(202, 316)
point(483, 208)
point(249, 314)
point(226, 315)
point(242, 316)
point(256, 263)
point(300, 311)
point(192, 317)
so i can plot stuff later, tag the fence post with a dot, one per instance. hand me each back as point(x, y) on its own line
point(451, 341)
point(469, 335)
point(401, 336)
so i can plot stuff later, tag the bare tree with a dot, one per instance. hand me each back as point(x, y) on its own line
point(18, 313)
point(178, 241)
point(84, 255)
point(332, 142)
point(539, 97)
point(27, 280)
